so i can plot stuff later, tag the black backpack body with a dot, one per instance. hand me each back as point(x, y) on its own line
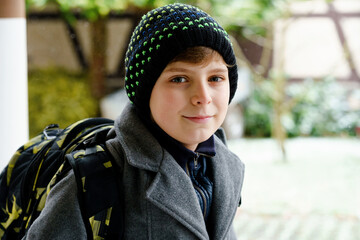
point(43, 161)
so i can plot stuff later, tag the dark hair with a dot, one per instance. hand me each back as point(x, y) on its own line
point(195, 55)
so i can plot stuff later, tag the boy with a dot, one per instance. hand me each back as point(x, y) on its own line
point(178, 179)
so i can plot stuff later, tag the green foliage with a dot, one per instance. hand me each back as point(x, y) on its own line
point(324, 109)
point(321, 108)
point(257, 112)
point(93, 9)
point(56, 96)
point(250, 17)
point(246, 13)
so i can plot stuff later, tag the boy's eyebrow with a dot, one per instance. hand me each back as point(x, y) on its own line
point(220, 70)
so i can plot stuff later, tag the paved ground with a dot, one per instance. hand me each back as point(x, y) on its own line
point(315, 195)
point(310, 227)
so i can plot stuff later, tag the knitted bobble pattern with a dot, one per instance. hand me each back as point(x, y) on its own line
point(163, 33)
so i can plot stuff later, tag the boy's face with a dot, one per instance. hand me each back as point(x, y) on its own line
point(190, 100)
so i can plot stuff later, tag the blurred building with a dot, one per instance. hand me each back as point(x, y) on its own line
point(321, 38)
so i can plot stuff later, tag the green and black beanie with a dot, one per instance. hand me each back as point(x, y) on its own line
point(160, 36)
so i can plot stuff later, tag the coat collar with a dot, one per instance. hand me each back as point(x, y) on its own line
point(178, 151)
point(139, 145)
point(171, 190)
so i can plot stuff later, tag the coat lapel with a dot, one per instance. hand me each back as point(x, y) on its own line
point(228, 177)
point(172, 192)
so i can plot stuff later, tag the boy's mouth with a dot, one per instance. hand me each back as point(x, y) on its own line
point(198, 119)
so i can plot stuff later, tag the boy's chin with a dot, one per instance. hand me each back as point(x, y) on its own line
point(192, 143)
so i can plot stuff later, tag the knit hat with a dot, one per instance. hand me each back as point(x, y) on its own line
point(160, 36)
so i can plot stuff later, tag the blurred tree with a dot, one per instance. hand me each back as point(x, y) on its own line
point(254, 21)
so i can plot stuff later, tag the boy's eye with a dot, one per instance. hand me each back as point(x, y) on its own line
point(178, 80)
point(215, 79)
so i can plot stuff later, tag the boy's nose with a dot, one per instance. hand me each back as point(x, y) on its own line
point(201, 95)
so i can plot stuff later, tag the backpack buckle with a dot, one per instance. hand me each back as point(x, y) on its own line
point(48, 131)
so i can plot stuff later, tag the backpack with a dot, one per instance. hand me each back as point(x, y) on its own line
point(43, 161)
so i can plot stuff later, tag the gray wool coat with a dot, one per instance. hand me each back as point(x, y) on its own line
point(160, 201)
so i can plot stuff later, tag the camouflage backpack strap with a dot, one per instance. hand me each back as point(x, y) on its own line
point(98, 189)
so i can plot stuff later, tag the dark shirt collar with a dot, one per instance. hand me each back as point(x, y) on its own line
point(178, 151)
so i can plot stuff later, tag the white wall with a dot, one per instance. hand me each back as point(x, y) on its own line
point(311, 46)
point(14, 127)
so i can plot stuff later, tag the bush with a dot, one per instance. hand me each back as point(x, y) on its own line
point(257, 112)
point(322, 109)
point(57, 96)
